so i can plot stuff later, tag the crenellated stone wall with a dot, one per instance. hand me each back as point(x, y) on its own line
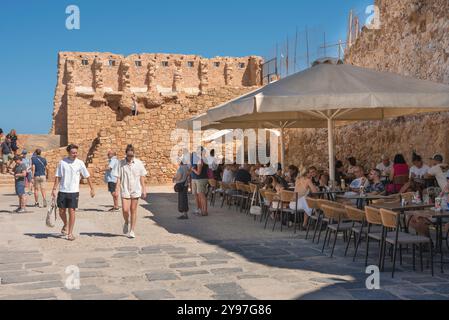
point(413, 40)
point(93, 101)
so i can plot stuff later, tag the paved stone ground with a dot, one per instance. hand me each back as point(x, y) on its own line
point(227, 255)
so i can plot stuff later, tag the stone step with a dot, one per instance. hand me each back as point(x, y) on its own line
point(6, 180)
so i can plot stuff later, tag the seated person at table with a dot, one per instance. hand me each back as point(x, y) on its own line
point(359, 181)
point(324, 181)
point(352, 164)
point(375, 184)
point(303, 187)
point(243, 174)
point(292, 174)
point(385, 166)
point(228, 174)
point(438, 170)
point(268, 185)
point(339, 171)
point(417, 173)
point(279, 183)
point(313, 173)
point(400, 168)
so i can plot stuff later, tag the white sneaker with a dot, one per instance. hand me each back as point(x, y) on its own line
point(125, 228)
point(132, 235)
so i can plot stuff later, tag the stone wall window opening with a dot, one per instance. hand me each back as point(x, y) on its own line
point(84, 62)
point(138, 63)
point(242, 65)
point(190, 64)
point(112, 63)
point(165, 63)
point(216, 64)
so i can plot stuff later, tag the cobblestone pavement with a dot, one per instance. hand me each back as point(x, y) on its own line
point(226, 255)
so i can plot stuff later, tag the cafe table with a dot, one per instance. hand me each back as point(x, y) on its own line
point(438, 217)
point(330, 194)
point(361, 199)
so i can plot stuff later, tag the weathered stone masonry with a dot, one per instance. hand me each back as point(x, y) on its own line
point(413, 41)
point(93, 99)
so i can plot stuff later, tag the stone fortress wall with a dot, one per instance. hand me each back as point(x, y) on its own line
point(93, 99)
point(413, 41)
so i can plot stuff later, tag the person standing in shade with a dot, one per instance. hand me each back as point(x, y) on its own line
point(181, 180)
point(67, 178)
point(110, 179)
point(200, 181)
point(20, 173)
point(39, 173)
point(130, 174)
point(134, 111)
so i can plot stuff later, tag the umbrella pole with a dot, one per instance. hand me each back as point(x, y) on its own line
point(282, 148)
point(330, 132)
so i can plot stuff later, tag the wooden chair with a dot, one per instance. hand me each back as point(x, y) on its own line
point(324, 220)
point(336, 216)
point(358, 218)
point(316, 215)
point(391, 220)
point(273, 199)
point(373, 231)
point(286, 197)
point(213, 186)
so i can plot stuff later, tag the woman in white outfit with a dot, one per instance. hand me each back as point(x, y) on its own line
point(303, 186)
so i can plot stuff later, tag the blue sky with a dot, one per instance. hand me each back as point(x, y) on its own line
point(32, 32)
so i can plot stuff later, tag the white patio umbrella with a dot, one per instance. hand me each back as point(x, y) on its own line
point(331, 91)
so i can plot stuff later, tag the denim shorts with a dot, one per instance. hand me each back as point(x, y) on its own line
point(20, 188)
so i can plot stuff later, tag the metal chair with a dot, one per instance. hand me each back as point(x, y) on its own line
point(391, 220)
point(358, 218)
point(316, 215)
point(336, 216)
point(373, 230)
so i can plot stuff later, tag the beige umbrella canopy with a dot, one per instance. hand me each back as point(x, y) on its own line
point(331, 92)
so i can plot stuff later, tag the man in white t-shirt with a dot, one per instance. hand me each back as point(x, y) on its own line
point(419, 169)
point(385, 166)
point(130, 174)
point(438, 170)
point(67, 178)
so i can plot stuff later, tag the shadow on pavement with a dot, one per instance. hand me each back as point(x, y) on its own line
point(100, 234)
point(44, 235)
point(238, 233)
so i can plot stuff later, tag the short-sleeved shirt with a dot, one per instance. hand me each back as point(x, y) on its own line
point(376, 187)
point(70, 171)
point(439, 174)
point(203, 173)
point(19, 169)
point(129, 175)
point(39, 164)
point(385, 170)
point(357, 183)
point(243, 175)
point(183, 172)
point(108, 176)
point(419, 172)
point(6, 148)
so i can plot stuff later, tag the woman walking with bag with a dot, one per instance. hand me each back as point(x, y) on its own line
point(181, 186)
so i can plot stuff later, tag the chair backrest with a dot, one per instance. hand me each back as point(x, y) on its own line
point(334, 204)
point(373, 215)
point(389, 218)
point(253, 187)
point(239, 185)
point(232, 186)
point(288, 196)
point(271, 196)
point(213, 183)
point(355, 214)
point(313, 203)
point(333, 212)
point(246, 188)
point(408, 196)
point(402, 179)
